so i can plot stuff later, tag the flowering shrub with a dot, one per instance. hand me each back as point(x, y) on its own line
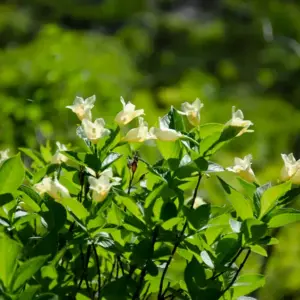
point(104, 223)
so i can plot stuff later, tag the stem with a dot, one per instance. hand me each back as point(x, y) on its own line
point(85, 266)
point(230, 264)
point(98, 267)
point(136, 295)
point(130, 182)
point(177, 243)
point(236, 274)
point(121, 265)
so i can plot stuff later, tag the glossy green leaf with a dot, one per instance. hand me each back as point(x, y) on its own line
point(253, 230)
point(284, 219)
point(76, 208)
point(247, 284)
point(241, 205)
point(9, 252)
point(26, 271)
point(110, 159)
point(271, 195)
point(29, 292)
point(12, 174)
point(130, 205)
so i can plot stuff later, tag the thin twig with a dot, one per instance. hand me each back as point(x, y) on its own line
point(230, 264)
point(121, 265)
point(236, 274)
point(85, 266)
point(144, 270)
point(98, 267)
point(130, 182)
point(177, 243)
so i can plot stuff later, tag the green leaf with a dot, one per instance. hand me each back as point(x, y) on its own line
point(5, 198)
point(9, 252)
point(259, 250)
point(169, 149)
point(34, 155)
point(76, 208)
point(29, 293)
point(247, 284)
point(130, 205)
point(289, 196)
point(30, 193)
point(168, 211)
point(110, 159)
point(271, 196)
point(198, 217)
point(194, 277)
point(253, 230)
point(206, 259)
point(56, 216)
point(171, 223)
point(227, 248)
point(26, 271)
point(77, 157)
point(12, 174)
point(241, 205)
point(173, 120)
point(284, 219)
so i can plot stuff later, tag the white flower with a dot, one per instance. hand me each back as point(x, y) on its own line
point(94, 131)
point(164, 133)
point(238, 121)
point(139, 134)
point(101, 186)
point(4, 155)
point(53, 188)
point(242, 167)
point(192, 111)
point(198, 202)
point(82, 107)
point(291, 169)
point(59, 158)
point(128, 113)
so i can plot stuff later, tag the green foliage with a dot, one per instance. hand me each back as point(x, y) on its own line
point(96, 223)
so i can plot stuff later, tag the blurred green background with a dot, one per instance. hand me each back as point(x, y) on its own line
point(158, 53)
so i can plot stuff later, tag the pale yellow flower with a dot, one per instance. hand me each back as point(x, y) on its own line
point(139, 134)
point(94, 130)
point(242, 167)
point(128, 113)
point(164, 133)
point(192, 111)
point(58, 157)
point(53, 188)
point(291, 169)
point(82, 107)
point(101, 186)
point(4, 155)
point(237, 120)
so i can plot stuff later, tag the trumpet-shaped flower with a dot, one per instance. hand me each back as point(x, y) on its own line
point(139, 134)
point(291, 169)
point(53, 188)
point(94, 131)
point(198, 202)
point(163, 133)
point(237, 120)
point(101, 186)
point(192, 111)
point(82, 107)
point(128, 113)
point(58, 157)
point(4, 155)
point(242, 167)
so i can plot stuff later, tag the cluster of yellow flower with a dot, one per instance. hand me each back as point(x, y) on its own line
point(100, 185)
